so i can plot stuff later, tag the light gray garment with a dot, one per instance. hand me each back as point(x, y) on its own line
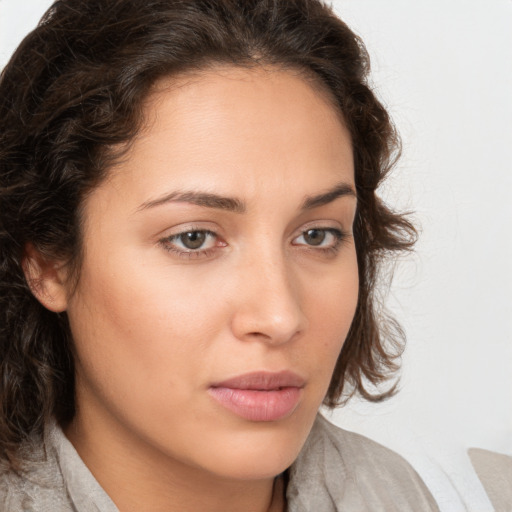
point(336, 471)
point(340, 471)
point(495, 473)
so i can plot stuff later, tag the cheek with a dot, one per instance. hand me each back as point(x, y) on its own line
point(331, 308)
point(133, 325)
point(336, 300)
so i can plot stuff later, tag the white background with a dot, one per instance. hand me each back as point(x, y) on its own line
point(444, 70)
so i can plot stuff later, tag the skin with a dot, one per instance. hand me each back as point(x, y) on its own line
point(154, 327)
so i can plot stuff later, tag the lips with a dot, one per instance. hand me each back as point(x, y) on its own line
point(260, 396)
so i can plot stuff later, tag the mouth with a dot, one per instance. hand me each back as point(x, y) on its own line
point(260, 396)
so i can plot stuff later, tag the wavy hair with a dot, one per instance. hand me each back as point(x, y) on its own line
point(75, 88)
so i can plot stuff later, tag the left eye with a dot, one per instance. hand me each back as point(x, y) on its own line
point(193, 240)
point(319, 237)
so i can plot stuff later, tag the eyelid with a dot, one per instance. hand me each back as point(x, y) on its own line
point(167, 241)
point(323, 224)
point(176, 237)
point(185, 227)
point(338, 234)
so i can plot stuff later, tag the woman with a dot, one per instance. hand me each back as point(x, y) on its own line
point(190, 240)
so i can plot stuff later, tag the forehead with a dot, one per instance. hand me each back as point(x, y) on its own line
point(238, 128)
point(217, 78)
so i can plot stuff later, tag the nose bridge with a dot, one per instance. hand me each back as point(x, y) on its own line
point(270, 305)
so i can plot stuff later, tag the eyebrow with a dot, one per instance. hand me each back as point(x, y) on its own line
point(232, 204)
point(204, 199)
point(340, 190)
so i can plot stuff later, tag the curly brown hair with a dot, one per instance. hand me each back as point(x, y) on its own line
point(74, 89)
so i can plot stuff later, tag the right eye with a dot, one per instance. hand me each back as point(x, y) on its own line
point(191, 241)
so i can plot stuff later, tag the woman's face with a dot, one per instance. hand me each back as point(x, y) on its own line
point(219, 276)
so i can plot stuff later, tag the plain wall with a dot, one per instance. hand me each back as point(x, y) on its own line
point(444, 71)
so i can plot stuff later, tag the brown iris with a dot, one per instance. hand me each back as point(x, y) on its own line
point(193, 239)
point(314, 236)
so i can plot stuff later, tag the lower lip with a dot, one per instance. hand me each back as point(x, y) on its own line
point(256, 405)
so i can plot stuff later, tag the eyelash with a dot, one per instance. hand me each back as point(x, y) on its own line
point(190, 253)
point(339, 238)
point(167, 243)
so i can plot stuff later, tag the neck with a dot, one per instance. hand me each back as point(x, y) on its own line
point(139, 477)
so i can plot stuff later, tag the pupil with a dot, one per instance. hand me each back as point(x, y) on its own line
point(193, 239)
point(314, 236)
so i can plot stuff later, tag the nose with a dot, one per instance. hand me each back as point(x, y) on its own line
point(268, 305)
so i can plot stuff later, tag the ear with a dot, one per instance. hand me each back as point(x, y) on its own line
point(46, 278)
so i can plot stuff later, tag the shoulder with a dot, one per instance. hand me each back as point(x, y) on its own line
point(353, 472)
point(365, 455)
point(37, 486)
point(495, 472)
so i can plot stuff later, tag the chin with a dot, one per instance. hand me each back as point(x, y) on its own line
point(258, 451)
point(255, 464)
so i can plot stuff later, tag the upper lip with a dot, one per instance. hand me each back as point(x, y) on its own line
point(263, 380)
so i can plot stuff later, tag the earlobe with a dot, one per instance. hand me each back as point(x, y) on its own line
point(46, 279)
